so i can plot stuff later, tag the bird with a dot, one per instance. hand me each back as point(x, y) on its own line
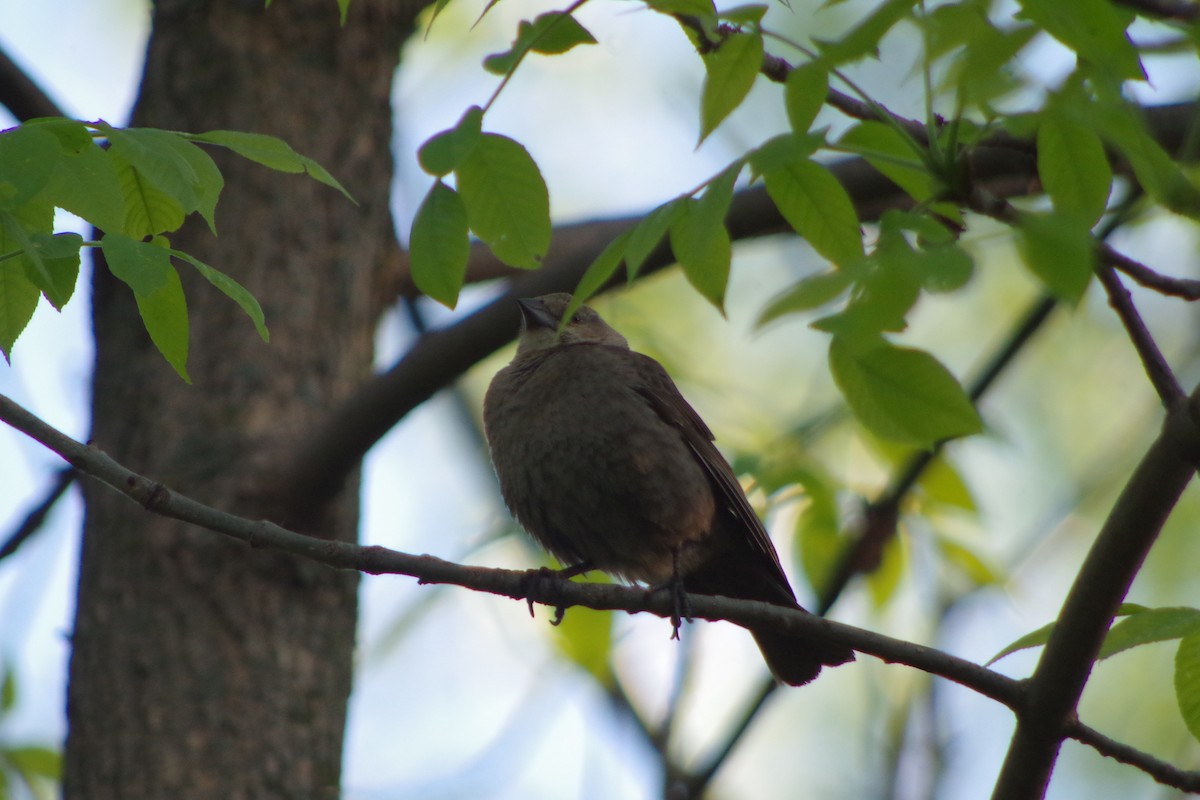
point(606, 465)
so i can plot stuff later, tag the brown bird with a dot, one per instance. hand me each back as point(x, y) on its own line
point(602, 460)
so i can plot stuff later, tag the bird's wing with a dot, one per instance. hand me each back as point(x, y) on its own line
point(663, 396)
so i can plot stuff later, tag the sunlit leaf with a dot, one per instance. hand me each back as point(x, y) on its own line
point(730, 71)
point(508, 206)
point(1187, 682)
point(439, 246)
point(817, 207)
point(444, 151)
point(1060, 251)
point(231, 289)
point(804, 94)
point(146, 268)
point(1151, 625)
point(899, 393)
point(1073, 167)
point(810, 293)
point(1094, 29)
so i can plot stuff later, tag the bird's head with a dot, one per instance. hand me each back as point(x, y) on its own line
point(540, 318)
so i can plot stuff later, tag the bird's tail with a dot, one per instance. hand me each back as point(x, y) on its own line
point(794, 660)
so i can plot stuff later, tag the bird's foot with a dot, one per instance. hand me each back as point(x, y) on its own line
point(546, 582)
point(681, 606)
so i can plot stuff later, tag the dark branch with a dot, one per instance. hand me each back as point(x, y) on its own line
point(1156, 366)
point(24, 99)
point(34, 519)
point(1116, 556)
point(158, 499)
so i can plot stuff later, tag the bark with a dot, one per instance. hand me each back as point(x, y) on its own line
point(201, 668)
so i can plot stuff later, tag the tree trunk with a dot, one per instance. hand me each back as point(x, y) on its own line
point(201, 668)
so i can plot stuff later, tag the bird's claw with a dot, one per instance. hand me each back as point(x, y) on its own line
point(543, 582)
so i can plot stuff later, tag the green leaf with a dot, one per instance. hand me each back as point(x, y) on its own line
point(17, 237)
point(899, 393)
point(703, 10)
point(271, 152)
point(730, 71)
point(231, 289)
point(1163, 179)
point(1151, 625)
point(8, 689)
point(148, 210)
point(28, 156)
point(18, 301)
point(35, 762)
point(443, 152)
point(1032, 639)
point(779, 151)
point(597, 274)
point(552, 33)
point(804, 94)
point(863, 40)
point(809, 293)
point(968, 562)
point(86, 183)
point(171, 164)
point(649, 232)
point(1073, 167)
point(1060, 251)
point(817, 207)
point(944, 485)
point(744, 15)
point(700, 241)
point(1042, 634)
point(59, 254)
point(146, 268)
point(888, 151)
point(1094, 29)
point(818, 541)
point(585, 637)
point(705, 253)
point(1187, 682)
point(439, 245)
point(884, 580)
point(507, 202)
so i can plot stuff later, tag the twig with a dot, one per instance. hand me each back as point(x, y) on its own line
point(34, 519)
point(1185, 288)
point(1161, 771)
point(375, 560)
point(1156, 366)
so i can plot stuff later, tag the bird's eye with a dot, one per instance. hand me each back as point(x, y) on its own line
point(577, 317)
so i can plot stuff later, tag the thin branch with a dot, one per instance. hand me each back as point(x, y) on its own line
point(376, 560)
point(1185, 288)
point(1161, 771)
point(1126, 537)
point(34, 519)
point(1156, 366)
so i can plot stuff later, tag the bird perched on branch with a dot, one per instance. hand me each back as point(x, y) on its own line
point(602, 460)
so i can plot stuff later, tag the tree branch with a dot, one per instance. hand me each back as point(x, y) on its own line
point(34, 519)
point(1156, 366)
point(376, 560)
point(24, 99)
point(1126, 537)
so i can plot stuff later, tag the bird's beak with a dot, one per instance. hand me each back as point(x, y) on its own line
point(536, 315)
